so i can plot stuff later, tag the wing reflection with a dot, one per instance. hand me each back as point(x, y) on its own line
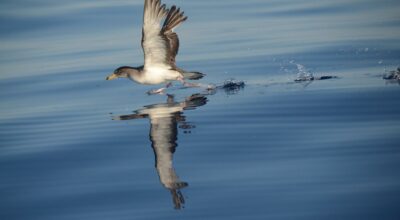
point(164, 120)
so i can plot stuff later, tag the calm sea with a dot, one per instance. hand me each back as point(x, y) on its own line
point(75, 146)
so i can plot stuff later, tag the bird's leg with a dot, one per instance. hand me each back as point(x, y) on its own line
point(160, 90)
point(188, 84)
point(156, 91)
point(170, 99)
point(208, 87)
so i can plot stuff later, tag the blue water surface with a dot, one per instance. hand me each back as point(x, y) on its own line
point(75, 146)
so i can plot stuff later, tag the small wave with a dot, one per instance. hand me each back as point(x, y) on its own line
point(304, 75)
point(392, 75)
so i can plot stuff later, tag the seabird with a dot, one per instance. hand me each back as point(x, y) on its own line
point(160, 46)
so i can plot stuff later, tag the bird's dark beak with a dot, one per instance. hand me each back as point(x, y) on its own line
point(112, 76)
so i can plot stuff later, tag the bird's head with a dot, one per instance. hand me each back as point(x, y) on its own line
point(121, 72)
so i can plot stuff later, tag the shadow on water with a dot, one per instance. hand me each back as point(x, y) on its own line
point(165, 119)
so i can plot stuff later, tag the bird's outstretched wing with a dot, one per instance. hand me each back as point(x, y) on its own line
point(160, 43)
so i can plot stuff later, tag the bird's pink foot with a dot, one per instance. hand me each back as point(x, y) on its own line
point(156, 91)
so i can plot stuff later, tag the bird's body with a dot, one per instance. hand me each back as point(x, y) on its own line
point(157, 75)
point(160, 46)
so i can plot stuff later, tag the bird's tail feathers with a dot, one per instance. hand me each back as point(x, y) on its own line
point(193, 75)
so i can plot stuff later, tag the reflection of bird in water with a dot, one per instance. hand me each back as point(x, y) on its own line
point(164, 120)
point(160, 46)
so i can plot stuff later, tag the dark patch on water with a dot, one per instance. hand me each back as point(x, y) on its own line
point(393, 76)
point(232, 86)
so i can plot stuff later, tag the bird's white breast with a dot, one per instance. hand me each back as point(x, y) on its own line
point(158, 75)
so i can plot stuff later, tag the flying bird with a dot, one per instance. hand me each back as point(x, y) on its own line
point(160, 46)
